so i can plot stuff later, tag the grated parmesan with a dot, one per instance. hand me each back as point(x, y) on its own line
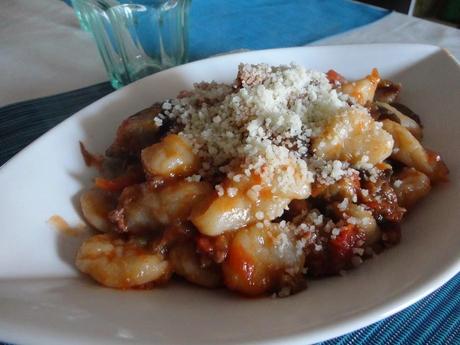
point(264, 124)
point(343, 205)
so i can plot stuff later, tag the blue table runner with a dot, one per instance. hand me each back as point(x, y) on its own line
point(218, 26)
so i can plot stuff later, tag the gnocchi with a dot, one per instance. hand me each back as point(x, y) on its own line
point(256, 186)
point(172, 157)
point(117, 263)
point(354, 137)
point(410, 152)
point(261, 260)
point(410, 186)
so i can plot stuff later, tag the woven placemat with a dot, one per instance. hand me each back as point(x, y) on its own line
point(23, 122)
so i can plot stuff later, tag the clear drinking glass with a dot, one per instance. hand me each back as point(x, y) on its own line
point(80, 14)
point(139, 37)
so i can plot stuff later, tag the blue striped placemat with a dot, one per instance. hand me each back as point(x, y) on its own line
point(23, 122)
point(433, 320)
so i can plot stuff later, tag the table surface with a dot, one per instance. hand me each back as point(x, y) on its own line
point(44, 52)
point(39, 39)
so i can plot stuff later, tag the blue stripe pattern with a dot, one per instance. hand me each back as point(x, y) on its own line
point(23, 122)
point(433, 320)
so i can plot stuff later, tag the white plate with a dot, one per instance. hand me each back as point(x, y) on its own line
point(44, 301)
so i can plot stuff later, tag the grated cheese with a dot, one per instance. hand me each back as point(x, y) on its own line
point(193, 178)
point(343, 205)
point(231, 192)
point(259, 129)
point(336, 231)
point(264, 124)
point(220, 190)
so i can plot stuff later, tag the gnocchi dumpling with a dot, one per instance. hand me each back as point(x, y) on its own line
point(244, 201)
point(410, 186)
point(96, 206)
point(119, 263)
point(146, 208)
point(186, 263)
point(353, 136)
point(172, 157)
point(262, 260)
point(410, 152)
point(362, 90)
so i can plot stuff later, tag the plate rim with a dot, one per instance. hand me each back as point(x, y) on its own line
point(434, 49)
point(352, 323)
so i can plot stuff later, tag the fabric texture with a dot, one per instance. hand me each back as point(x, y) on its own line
point(218, 26)
point(23, 122)
point(44, 52)
point(399, 28)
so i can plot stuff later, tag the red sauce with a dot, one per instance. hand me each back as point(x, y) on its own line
point(91, 159)
point(61, 226)
point(241, 272)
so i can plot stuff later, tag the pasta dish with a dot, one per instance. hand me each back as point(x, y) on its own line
point(284, 175)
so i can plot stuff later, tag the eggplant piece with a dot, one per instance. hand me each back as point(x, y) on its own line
point(387, 91)
point(137, 132)
point(391, 113)
point(408, 112)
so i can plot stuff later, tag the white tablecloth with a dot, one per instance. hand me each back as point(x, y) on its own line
point(44, 52)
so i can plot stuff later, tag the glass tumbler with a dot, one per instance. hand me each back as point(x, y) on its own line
point(80, 14)
point(136, 38)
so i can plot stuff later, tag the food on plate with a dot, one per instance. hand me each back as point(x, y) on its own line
point(285, 174)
